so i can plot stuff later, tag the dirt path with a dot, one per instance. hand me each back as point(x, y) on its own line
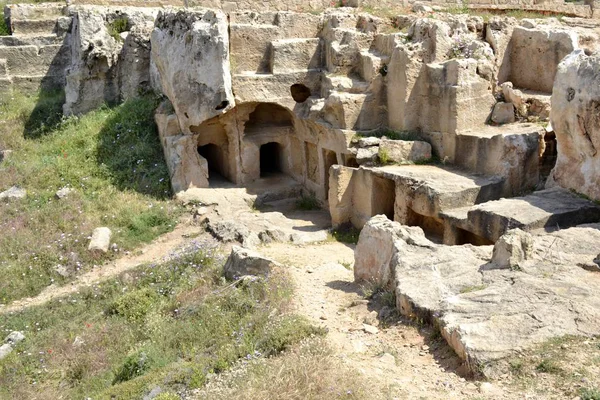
point(159, 249)
point(398, 360)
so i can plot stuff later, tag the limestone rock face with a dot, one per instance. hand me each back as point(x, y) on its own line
point(134, 63)
point(107, 66)
point(514, 247)
point(486, 313)
point(377, 248)
point(191, 52)
point(243, 262)
point(575, 117)
point(549, 44)
point(401, 151)
point(100, 240)
point(92, 76)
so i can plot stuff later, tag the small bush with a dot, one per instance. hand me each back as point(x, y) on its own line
point(134, 365)
point(289, 330)
point(384, 156)
point(4, 31)
point(135, 305)
point(516, 366)
point(347, 234)
point(167, 396)
point(116, 27)
point(308, 202)
point(589, 394)
point(548, 367)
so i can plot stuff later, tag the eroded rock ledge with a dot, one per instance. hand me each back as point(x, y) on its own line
point(487, 308)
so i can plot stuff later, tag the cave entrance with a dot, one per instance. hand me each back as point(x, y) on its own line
point(216, 161)
point(270, 159)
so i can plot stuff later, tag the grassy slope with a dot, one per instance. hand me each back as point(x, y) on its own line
point(169, 325)
point(113, 160)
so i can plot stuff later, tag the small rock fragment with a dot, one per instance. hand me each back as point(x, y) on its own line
point(503, 113)
point(64, 192)
point(370, 329)
point(100, 240)
point(5, 350)
point(15, 337)
point(242, 262)
point(13, 193)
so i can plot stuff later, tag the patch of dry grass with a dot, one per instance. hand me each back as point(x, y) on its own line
point(308, 371)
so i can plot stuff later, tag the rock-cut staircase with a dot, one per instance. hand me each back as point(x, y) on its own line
point(37, 53)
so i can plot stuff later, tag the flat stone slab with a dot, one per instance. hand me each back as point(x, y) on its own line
point(434, 189)
point(550, 209)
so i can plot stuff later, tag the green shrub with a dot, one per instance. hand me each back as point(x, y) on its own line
point(547, 366)
point(135, 305)
point(167, 396)
point(384, 156)
point(288, 330)
point(116, 27)
point(134, 365)
point(308, 202)
point(346, 234)
point(589, 394)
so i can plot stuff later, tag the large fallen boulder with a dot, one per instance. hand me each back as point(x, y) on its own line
point(242, 262)
point(191, 51)
point(575, 117)
point(484, 312)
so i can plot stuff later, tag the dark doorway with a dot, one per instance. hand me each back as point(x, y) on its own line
point(383, 197)
point(270, 159)
point(216, 163)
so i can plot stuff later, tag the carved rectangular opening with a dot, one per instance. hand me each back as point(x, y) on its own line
point(329, 159)
point(466, 237)
point(433, 227)
point(270, 159)
point(383, 197)
point(217, 163)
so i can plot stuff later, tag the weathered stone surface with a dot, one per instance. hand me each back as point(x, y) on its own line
point(100, 240)
point(485, 313)
point(367, 155)
point(13, 193)
point(63, 192)
point(15, 337)
point(514, 247)
point(549, 44)
point(402, 151)
point(576, 123)
point(554, 208)
point(369, 141)
point(92, 75)
point(243, 262)
point(134, 62)
point(5, 350)
point(4, 155)
point(376, 249)
point(503, 113)
point(191, 51)
point(527, 103)
point(421, 8)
